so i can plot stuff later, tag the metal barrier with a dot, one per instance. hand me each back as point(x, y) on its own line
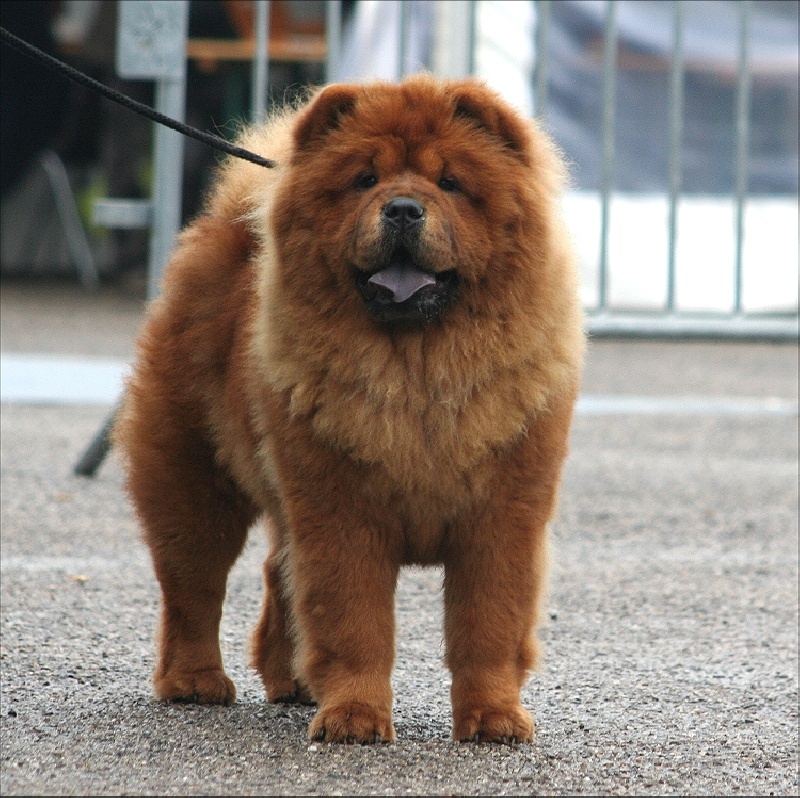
point(603, 318)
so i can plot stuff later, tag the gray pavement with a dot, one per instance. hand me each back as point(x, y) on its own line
point(671, 634)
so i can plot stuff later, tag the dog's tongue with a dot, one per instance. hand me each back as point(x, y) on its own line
point(401, 281)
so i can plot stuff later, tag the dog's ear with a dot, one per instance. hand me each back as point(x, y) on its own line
point(487, 111)
point(324, 114)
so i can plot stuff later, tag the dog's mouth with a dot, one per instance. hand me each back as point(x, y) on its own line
point(402, 290)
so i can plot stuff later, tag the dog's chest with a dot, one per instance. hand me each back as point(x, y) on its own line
point(426, 445)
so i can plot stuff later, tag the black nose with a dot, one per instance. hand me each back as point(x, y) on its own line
point(403, 212)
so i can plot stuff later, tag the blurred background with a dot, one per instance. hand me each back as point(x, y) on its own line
point(671, 625)
point(679, 121)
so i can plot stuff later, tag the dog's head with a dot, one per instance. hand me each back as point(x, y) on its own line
point(408, 194)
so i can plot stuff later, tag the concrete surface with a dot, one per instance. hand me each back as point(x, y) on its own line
point(671, 635)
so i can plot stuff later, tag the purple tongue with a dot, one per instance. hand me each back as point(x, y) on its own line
point(401, 281)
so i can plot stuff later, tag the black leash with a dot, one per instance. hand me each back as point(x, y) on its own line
point(209, 139)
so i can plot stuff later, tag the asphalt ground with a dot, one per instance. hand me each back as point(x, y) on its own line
point(670, 637)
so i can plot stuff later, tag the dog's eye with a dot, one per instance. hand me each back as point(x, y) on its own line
point(449, 184)
point(365, 181)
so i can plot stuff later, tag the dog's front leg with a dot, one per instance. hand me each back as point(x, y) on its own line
point(343, 567)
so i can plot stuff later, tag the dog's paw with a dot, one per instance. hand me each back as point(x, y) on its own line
point(195, 687)
point(289, 691)
point(490, 725)
point(352, 723)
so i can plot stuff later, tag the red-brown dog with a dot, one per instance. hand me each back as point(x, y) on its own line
point(377, 347)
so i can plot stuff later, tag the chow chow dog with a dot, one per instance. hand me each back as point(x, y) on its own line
point(376, 348)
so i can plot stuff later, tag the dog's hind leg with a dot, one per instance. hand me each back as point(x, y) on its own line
point(272, 643)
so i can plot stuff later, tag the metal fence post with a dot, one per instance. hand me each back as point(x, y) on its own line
point(742, 140)
point(606, 178)
point(333, 39)
point(541, 75)
point(151, 45)
point(260, 67)
point(675, 135)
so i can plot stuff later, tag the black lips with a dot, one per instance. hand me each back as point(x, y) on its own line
point(402, 291)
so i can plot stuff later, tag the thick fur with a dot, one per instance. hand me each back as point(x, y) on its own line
point(263, 388)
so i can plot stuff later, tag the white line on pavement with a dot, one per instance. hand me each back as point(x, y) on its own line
point(60, 379)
